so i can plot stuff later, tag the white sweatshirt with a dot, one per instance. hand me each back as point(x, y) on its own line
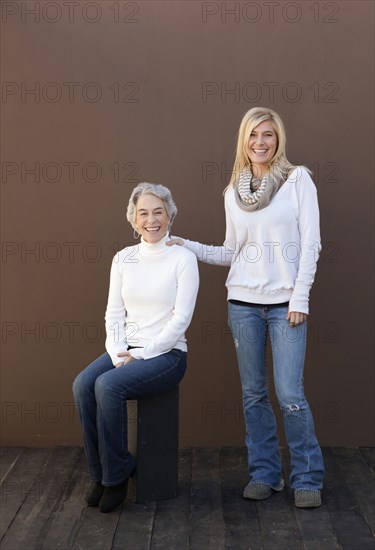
point(152, 294)
point(272, 252)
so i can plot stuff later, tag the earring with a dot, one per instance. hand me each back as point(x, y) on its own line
point(135, 234)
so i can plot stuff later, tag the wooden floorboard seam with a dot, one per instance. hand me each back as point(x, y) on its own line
point(9, 467)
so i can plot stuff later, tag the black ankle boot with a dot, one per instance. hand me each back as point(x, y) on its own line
point(94, 494)
point(113, 496)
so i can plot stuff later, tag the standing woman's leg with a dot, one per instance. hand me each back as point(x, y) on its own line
point(84, 397)
point(288, 348)
point(249, 329)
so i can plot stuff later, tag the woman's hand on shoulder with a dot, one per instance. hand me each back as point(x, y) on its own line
point(175, 240)
point(296, 318)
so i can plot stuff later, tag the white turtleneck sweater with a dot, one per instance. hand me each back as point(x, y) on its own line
point(272, 252)
point(152, 294)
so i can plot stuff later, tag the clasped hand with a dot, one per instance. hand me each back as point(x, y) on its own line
point(127, 358)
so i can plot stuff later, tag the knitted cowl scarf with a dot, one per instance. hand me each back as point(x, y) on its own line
point(254, 194)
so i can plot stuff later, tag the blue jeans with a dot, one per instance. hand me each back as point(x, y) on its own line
point(250, 326)
point(100, 393)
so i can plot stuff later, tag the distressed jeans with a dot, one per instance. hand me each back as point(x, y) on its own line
point(250, 326)
point(100, 393)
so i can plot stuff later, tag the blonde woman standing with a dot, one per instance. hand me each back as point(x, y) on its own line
point(272, 245)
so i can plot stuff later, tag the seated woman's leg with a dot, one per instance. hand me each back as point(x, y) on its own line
point(131, 381)
point(84, 396)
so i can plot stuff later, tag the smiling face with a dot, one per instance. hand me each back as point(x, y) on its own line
point(151, 219)
point(262, 147)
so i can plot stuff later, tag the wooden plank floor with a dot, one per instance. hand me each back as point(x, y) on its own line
point(42, 506)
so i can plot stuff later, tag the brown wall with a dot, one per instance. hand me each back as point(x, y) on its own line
point(158, 89)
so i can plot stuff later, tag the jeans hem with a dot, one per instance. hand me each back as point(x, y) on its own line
point(277, 488)
point(114, 484)
point(129, 472)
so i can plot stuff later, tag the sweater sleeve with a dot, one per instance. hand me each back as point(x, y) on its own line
point(217, 255)
point(308, 225)
point(115, 315)
point(187, 290)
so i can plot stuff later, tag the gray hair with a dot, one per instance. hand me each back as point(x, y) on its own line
point(159, 191)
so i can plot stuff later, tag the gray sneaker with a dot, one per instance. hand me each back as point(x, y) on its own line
point(257, 491)
point(307, 498)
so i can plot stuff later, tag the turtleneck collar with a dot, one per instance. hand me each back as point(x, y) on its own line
point(154, 248)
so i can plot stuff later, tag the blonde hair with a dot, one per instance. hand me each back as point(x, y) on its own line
point(280, 167)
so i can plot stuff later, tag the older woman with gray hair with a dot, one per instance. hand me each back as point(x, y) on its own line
point(152, 294)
